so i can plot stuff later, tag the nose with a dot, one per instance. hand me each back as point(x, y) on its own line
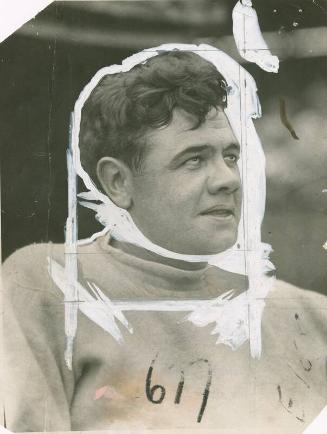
point(223, 177)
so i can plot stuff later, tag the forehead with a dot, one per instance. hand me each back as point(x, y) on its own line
point(181, 129)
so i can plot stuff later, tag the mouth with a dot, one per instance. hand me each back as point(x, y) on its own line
point(220, 212)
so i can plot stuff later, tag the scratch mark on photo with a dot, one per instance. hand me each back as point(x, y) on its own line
point(284, 119)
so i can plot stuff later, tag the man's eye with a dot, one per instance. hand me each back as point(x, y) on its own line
point(194, 161)
point(232, 158)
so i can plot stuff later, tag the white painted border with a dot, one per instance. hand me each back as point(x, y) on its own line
point(249, 256)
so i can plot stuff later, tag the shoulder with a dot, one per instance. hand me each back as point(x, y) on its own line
point(25, 276)
point(287, 294)
point(297, 312)
point(29, 266)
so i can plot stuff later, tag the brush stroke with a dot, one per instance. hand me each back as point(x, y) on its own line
point(248, 37)
point(98, 309)
point(205, 395)
point(71, 271)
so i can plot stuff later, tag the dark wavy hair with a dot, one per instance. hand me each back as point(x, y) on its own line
point(124, 106)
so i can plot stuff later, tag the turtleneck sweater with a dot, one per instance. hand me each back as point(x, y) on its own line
point(112, 385)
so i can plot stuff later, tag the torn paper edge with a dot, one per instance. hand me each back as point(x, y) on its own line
point(9, 23)
point(15, 13)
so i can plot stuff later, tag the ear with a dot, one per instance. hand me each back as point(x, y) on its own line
point(117, 181)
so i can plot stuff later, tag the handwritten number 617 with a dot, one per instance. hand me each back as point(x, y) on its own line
point(151, 390)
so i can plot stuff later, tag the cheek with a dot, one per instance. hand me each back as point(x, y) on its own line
point(170, 195)
point(239, 198)
point(184, 194)
point(238, 203)
point(153, 198)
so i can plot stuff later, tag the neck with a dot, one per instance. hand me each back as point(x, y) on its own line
point(147, 255)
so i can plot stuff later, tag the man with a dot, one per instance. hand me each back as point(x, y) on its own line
point(156, 140)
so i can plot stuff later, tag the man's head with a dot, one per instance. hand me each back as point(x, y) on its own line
point(157, 141)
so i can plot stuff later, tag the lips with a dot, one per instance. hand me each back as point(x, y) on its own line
point(220, 211)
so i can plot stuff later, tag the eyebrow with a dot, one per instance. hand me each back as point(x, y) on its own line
point(199, 148)
point(233, 145)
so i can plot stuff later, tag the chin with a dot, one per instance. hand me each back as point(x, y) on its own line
point(213, 247)
point(213, 238)
point(223, 243)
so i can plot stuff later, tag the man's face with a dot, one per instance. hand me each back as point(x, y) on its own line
point(188, 196)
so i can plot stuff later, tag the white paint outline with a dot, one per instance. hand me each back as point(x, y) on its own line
point(249, 256)
point(248, 37)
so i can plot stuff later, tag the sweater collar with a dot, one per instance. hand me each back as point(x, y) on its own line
point(204, 283)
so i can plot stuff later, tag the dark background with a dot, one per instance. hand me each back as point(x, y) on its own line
point(46, 63)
